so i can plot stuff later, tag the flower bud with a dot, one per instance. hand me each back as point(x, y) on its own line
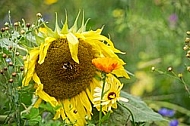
point(170, 69)
point(39, 15)
point(4, 55)
point(10, 63)
point(28, 25)
point(16, 24)
point(188, 52)
point(10, 47)
point(11, 80)
point(1, 71)
point(6, 28)
point(2, 29)
point(188, 55)
point(21, 68)
point(188, 32)
point(14, 74)
point(5, 68)
point(188, 68)
point(180, 75)
point(153, 68)
point(186, 47)
point(187, 40)
point(17, 53)
point(22, 31)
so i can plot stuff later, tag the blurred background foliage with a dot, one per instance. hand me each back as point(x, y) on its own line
point(151, 32)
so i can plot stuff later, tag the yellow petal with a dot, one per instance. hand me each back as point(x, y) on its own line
point(36, 79)
point(29, 66)
point(57, 115)
point(70, 112)
point(86, 103)
point(43, 49)
point(73, 46)
point(43, 95)
point(121, 73)
point(38, 102)
point(79, 107)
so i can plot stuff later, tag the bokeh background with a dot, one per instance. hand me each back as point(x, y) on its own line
point(151, 32)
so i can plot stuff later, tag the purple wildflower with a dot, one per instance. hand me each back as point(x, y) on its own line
point(174, 122)
point(173, 18)
point(166, 112)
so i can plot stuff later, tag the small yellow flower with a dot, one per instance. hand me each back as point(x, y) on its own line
point(111, 94)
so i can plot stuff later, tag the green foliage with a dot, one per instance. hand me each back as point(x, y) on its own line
point(32, 118)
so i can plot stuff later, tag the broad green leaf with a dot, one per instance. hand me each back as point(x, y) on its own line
point(119, 117)
point(141, 112)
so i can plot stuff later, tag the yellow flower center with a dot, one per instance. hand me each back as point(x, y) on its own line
point(61, 76)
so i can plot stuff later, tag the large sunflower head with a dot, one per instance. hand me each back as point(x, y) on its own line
point(62, 70)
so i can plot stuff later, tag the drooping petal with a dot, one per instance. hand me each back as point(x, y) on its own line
point(121, 73)
point(43, 95)
point(86, 103)
point(43, 49)
point(37, 103)
point(79, 107)
point(30, 66)
point(36, 79)
point(71, 113)
point(73, 46)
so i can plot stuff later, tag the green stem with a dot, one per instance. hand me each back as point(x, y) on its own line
point(102, 94)
point(133, 121)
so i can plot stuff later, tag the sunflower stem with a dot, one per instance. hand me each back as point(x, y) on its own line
point(102, 94)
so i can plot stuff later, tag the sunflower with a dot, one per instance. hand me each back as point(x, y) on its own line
point(62, 70)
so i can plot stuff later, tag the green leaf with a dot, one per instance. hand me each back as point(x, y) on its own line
point(34, 112)
point(52, 123)
point(141, 112)
point(119, 117)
